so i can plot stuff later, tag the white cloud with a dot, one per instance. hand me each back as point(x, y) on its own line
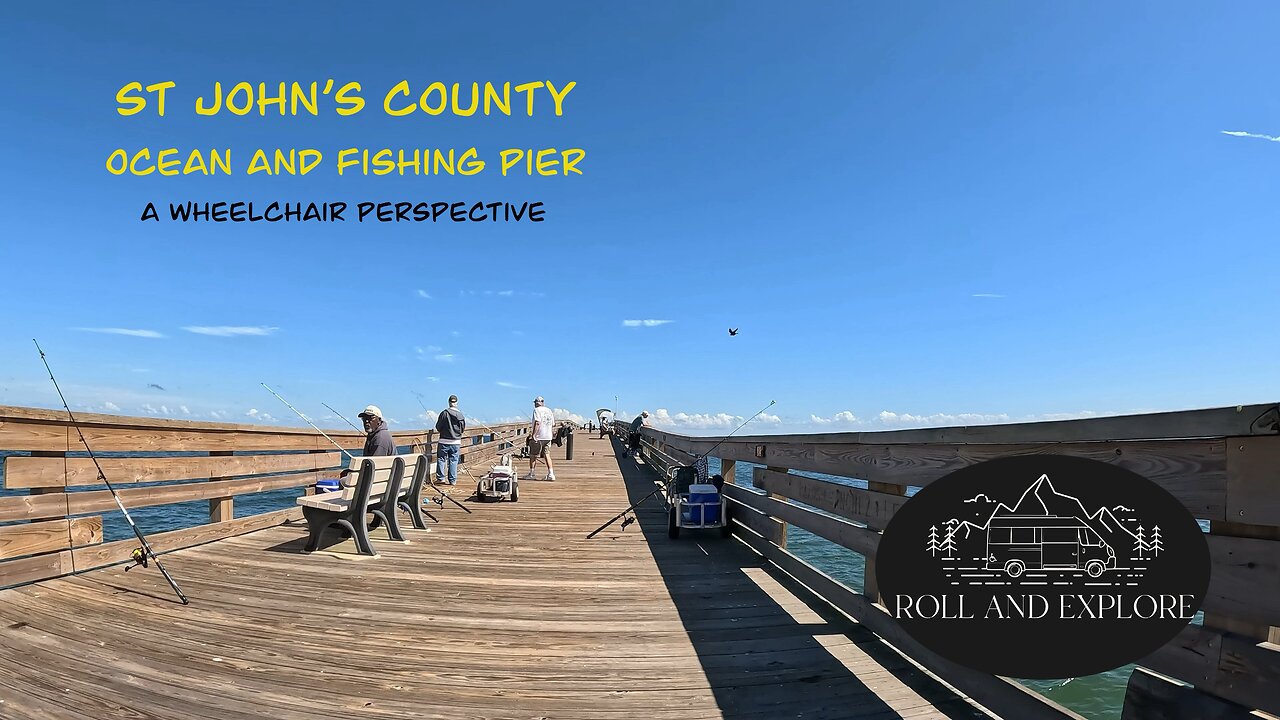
point(446, 358)
point(110, 407)
point(423, 294)
point(433, 378)
point(506, 293)
point(123, 331)
point(184, 409)
point(986, 295)
point(230, 330)
point(429, 415)
point(1260, 136)
point(845, 418)
point(662, 417)
point(889, 420)
point(150, 409)
point(644, 323)
point(562, 414)
point(503, 383)
point(257, 415)
point(218, 414)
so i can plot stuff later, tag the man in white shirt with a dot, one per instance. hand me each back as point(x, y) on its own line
point(543, 421)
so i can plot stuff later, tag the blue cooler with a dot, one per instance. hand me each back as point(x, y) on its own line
point(327, 485)
point(703, 514)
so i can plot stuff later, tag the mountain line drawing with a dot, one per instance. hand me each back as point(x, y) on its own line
point(1041, 498)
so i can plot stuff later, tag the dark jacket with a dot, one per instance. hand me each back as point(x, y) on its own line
point(379, 442)
point(451, 424)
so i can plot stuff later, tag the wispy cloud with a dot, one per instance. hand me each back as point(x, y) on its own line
point(230, 330)
point(123, 331)
point(644, 323)
point(423, 294)
point(1260, 136)
point(109, 406)
point(505, 293)
point(446, 357)
point(987, 295)
point(432, 378)
point(505, 384)
point(258, 415)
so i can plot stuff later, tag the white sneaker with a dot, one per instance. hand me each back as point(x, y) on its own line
point(529, 476)
point(551, 476)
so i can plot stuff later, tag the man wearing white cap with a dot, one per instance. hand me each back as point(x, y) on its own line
point(541, 434)
point(379, 441)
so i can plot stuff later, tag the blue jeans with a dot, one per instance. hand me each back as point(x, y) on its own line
point(449, 454)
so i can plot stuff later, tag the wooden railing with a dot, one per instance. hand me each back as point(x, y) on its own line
point(56, 528)
point(1222, 464)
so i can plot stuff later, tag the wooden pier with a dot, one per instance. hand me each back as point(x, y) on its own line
point(510, 612)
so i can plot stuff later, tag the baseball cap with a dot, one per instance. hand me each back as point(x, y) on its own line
point(645, 413)
point(371, 410)
point(538, 399)
point(453, 399)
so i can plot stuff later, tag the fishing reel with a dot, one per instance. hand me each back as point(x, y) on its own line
point(139, 558)
point(627, 521)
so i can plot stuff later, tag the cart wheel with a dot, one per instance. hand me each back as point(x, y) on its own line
point(673, 526)
point(515, 491)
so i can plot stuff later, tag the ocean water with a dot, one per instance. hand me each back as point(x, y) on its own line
point(1097, 697)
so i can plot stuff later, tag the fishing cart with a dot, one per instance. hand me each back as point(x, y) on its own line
point(695, 506)
point(499, 484)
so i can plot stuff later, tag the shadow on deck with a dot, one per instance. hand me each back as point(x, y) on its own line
point(767, 645)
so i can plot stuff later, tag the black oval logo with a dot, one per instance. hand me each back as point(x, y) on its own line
point(1043, 566)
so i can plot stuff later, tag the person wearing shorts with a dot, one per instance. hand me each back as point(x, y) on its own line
point(543, 420)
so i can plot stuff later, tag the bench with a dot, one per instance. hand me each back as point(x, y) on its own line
point(376, 490)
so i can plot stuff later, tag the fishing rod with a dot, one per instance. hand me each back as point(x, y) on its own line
point(667, 482)
point(308, 421)
point(439, 501)
point(141, 554)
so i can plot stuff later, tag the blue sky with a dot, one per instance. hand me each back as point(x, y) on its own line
point(916, 213)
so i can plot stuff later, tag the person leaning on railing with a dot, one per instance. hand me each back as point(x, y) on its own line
point(633, 439)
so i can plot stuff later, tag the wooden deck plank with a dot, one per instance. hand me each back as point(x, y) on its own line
point(507, 612)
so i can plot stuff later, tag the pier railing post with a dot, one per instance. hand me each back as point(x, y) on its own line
point(729, 470)
point(221, 509)
point(870, 588)
point(782, 525)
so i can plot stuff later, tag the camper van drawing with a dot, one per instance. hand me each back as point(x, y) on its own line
point(1017, 543)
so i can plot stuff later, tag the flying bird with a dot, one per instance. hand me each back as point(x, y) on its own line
point(153, 385)
point(733, 331)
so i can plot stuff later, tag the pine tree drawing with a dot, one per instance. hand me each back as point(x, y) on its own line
point(933, 541)
point(1155, 546)
point(1142, 543)
point(949, 544)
